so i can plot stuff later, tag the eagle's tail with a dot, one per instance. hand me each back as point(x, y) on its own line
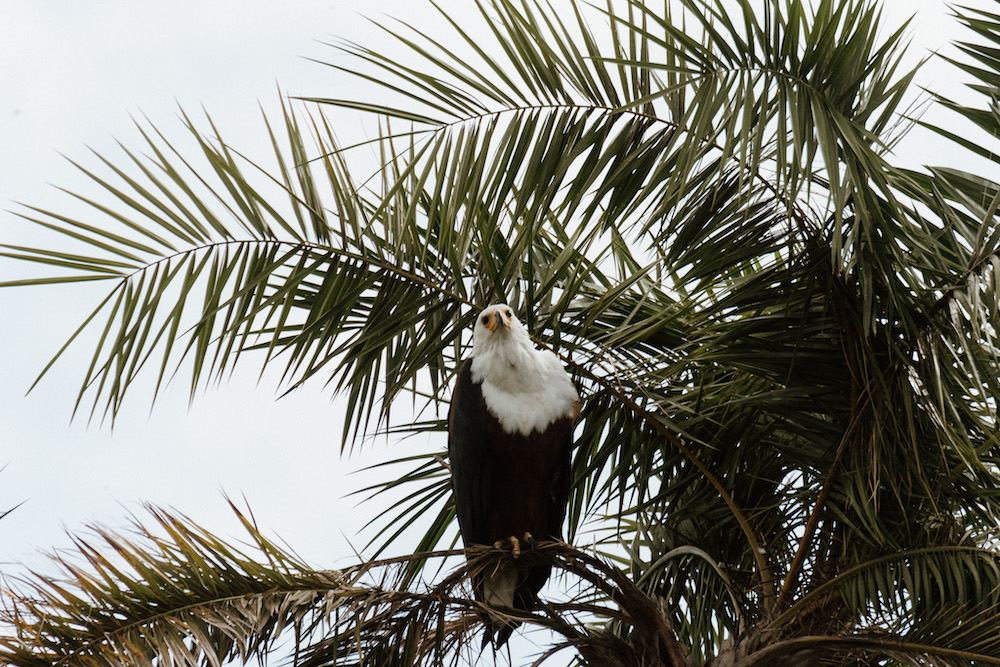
point(497, 634)
point(511, 585)
point(498, 589)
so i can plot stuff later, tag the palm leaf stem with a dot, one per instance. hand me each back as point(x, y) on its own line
point(396, 560)
point(791, 578)
point(793, 206)
point(293, 245)
point(340, 253)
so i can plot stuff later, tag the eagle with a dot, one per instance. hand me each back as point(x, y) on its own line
point(510, 435)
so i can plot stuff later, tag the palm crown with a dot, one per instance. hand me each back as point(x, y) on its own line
point(785, 343)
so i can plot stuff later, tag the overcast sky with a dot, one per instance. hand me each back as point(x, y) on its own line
point(73, 74)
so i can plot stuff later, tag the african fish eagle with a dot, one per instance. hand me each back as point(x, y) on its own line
point(510, 432)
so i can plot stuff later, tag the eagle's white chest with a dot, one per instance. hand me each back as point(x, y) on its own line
point(525, 389)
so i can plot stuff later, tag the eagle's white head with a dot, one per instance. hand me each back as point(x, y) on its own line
point(525, 388)
point(497, 327)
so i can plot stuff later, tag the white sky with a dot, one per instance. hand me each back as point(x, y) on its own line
point(72, 74)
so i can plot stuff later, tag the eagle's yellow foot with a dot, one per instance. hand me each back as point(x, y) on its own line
point(531, 541)
point(515, 545)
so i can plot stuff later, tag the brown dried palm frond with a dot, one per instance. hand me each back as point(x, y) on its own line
point(174, 593)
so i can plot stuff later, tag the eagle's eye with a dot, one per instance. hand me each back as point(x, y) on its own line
point(486, 319)
point(510, 314)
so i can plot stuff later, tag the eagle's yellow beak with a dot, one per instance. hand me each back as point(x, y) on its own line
point(495, 320)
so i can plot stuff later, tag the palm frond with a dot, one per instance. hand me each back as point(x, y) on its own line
point(172, 590)
point(175, 592)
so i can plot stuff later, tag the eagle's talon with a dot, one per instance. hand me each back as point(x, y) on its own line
point(498, 544)
point(515, 547)
point(532, 545)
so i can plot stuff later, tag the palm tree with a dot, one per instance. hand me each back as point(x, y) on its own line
point(786, 343)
